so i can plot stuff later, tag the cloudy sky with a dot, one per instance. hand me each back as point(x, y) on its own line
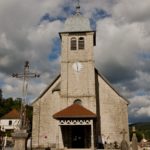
point(29, 31)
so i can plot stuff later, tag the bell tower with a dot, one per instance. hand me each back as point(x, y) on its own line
point(77, 59)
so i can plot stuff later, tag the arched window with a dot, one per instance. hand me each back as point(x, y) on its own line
point(77, 101)
point(73, 43)
point(81, 43)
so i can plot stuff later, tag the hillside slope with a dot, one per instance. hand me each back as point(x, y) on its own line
point(142, 128)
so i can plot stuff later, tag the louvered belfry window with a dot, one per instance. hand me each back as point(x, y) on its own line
point(73, 43)
point(81, 43)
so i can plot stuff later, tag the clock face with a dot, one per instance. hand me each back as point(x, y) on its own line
point(77, 66)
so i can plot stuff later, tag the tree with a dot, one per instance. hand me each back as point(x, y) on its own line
point(1, 103)
point(17, 104)
point(1, 95)
point(8, 104)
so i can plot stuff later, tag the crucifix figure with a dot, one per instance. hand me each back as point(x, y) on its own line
point(25, 76)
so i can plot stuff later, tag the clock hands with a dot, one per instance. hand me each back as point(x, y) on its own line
point(77, 67)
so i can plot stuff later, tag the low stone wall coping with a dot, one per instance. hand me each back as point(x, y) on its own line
point(20, 134)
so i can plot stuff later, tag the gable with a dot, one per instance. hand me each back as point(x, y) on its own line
point(54, 86)
point(110, 86)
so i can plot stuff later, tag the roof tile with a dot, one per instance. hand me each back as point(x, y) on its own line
point(74, 111)
point(13, 114)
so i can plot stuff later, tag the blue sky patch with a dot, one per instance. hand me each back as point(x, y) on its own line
point(140, 92)
point(144, 55)
point(55, 49)
point(97, 15)
point(100, 14)
point(1, 83)
point(68, 10)
point(47, 17)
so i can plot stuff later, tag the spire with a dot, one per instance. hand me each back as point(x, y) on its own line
point(78, 7)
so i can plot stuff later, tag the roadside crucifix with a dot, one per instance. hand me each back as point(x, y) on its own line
point(26, 75)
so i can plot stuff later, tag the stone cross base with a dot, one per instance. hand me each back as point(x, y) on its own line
point(20, 137)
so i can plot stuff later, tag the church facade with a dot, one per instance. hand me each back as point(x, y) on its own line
point(80, 108)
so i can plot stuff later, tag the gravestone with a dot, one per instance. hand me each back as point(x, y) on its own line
point(134, 140)
point(124, 145)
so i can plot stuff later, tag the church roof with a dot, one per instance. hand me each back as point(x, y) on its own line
point(13, 114)
point(74, 111)
point(77, 23)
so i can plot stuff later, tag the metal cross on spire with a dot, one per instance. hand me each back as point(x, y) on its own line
point(78, 7)
point(25, 76)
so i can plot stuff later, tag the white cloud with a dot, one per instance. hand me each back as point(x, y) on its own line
point(42, 36)
point(132, 10)
point(4, 42)
point(11, 87)
point(121, 43)
point(140, 106)
point(144, 111)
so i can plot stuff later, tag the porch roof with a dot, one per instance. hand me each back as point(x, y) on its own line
point(74, 111)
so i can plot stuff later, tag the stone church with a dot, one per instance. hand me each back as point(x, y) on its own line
point(80, 109)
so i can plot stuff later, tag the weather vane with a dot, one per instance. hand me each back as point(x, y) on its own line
point(25, 76)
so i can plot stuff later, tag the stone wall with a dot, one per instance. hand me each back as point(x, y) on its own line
point(45, 128)
point(113, 113)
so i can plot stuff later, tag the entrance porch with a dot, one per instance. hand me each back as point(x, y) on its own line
point(76, 134)
point(75, 128)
